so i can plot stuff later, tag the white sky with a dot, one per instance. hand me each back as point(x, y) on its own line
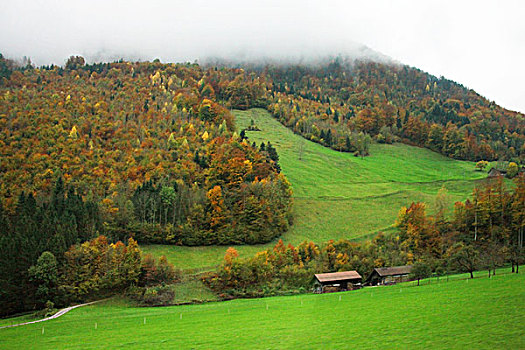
point(480, 44)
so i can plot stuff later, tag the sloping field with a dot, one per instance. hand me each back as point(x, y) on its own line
point(337, 195)
point(479, 314)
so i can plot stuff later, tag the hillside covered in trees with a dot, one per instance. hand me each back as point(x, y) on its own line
point(148, 143)
point(150, 151)
point(140, 150)
point(155, 144)
point(341, 102)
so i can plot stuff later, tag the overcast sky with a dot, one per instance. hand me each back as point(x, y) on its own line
point(480, 44)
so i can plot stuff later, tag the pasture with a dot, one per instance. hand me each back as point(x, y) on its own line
point(479, 314)
point(337, 195)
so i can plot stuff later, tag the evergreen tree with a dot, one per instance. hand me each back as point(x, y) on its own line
point(399, 125)
point(57, 200)
point(196, 158)
point(54, 225)
point(5, 70)
point(329, 137)
point(336, 116)
point(272, 154)
point(348, 144)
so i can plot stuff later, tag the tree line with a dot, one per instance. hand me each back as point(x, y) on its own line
point(52, 254)
point(254, 212)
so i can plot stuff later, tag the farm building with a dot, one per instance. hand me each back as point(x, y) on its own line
point(493, 172)
point(337, 281)
point(388, 275)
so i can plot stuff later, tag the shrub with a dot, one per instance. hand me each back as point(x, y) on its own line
point(159, 295)
point(157, 272)
point(152, 296)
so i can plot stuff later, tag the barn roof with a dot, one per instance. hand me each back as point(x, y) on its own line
point(393, 271)
point(337, 276)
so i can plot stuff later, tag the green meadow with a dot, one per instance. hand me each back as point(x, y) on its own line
point(337, 195)
point(476, 314)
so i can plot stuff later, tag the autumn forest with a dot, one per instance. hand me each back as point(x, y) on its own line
point(93, 155)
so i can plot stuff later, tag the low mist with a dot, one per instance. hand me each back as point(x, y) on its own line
point(478, 44)
point(173, 32)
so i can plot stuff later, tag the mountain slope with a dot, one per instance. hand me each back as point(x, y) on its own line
point(148, 142)
point(337, 195)
point(330, 103)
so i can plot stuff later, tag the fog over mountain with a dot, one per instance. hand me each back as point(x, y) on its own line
point(480, 44)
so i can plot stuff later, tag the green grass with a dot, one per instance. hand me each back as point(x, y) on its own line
point(197, 259)
point(18, 319)
point(191, 289)
point(337, 195)
point(479, 314)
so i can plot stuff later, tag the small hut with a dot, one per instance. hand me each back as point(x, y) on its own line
point(337, 281)
point(493, 172)
point(389, 275)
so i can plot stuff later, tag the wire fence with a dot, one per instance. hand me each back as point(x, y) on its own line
point(460, 276)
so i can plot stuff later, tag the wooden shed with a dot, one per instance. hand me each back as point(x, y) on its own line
point(493, 172)
point(337, 281)
point(389, 275)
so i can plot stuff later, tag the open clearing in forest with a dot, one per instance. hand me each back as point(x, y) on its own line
point(337, 195)
point(479, 314)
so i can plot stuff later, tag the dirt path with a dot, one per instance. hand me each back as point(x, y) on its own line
point(58, 314)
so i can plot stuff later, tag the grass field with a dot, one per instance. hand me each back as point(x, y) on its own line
point(337, 195)
point(479, 314)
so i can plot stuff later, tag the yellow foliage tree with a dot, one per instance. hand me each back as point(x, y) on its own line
point(73, 133)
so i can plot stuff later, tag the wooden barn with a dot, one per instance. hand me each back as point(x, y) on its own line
point(493, 172)
point(337, 281)
point(389, 275)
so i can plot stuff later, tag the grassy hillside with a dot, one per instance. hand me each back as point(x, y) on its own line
point(337, 195)
point(481, 313)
